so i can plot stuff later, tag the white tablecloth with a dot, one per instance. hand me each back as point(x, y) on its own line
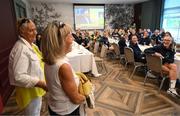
point(143, 47)
point(177, 62)
point(112, 40)
point(82, 60)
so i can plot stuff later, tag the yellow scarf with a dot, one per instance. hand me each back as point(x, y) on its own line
point(25, 95)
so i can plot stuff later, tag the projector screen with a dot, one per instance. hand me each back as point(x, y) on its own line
point(89, 17)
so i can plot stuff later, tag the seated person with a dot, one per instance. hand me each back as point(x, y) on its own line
point(166, 52)
point(104, 39)
point(122, 43)
point(97, 36)
point(156, 39)
point(77, 37)
point(162, 33)
point(140, 33)
point(96, 39)
point(138, 55)
point(149, 32)
point(115, 34)
point(132, 31)
point(85, 41)
point(145, 40)
point(87, 35)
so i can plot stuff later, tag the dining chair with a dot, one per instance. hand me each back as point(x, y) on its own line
point(96, 47)
point(154, 65)
point(101, 61)
point(103, 51)
point(116, 50)
point(129, 57)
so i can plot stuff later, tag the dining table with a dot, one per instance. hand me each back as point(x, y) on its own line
point(82, 60)
point(143, 47)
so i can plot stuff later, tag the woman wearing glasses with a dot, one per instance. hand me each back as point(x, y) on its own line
point(26, 69)
point(62, 83)
point(166, 52)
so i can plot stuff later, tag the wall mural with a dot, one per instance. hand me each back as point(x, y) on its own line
point(43, 14)
point(116, 15)
point(119, 15)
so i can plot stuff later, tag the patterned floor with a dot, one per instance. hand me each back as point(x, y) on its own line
point(117, 95)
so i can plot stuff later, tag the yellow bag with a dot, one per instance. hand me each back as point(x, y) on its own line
point(85, 86)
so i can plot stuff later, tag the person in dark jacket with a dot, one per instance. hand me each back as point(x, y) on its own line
point(145, 40)
point(162, 33)
point(166, 52)
point(138, 55)
point(156, 39)
point(132, 32)
point(104, 39)
point(123, 43)
point(115, 34)
point(77, 37)
point(85, 41)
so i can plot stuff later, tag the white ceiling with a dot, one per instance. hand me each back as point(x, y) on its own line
point(92, 1)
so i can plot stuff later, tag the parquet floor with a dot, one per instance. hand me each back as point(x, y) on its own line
point(116, 95)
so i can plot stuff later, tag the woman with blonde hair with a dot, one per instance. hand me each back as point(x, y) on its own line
point(62, 83)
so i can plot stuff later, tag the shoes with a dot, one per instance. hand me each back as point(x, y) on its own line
point(97, 75)
point(150, 75)
point(173, 92)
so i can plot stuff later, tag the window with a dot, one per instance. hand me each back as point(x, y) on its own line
point(171, 18)
point(20, 8)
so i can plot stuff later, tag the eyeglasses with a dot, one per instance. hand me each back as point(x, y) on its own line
point(24, 20)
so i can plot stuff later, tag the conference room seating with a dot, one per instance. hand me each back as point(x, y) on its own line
point(129, 57)
point(103, 51)
point(96, 47)
point(154, 65)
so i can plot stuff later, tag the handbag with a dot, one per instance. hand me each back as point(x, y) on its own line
point(85, 86)
point(87, 89)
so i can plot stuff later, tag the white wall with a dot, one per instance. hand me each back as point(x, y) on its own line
point(64, 9)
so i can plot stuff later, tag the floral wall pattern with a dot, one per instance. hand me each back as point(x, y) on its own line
point(43, 14)
point(119, 15)
point(116, 15)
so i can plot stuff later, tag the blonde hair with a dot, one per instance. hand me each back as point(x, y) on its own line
point(53, 41)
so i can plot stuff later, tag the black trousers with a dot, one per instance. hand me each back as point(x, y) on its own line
point(74, 113)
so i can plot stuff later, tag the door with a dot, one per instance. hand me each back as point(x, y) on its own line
point(7, 39)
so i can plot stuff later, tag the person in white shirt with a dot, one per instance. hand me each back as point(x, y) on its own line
point(26, 70)
point(63, 95)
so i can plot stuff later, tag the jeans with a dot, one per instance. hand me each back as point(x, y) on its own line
point(34, 107)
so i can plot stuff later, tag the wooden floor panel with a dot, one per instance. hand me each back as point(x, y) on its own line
point(116, 95)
